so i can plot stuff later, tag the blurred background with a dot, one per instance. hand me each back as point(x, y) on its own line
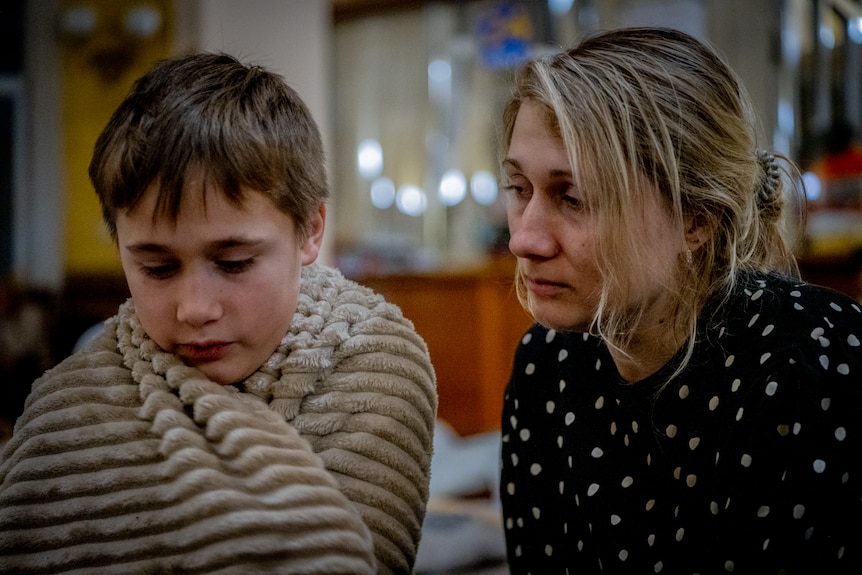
point(407, 94)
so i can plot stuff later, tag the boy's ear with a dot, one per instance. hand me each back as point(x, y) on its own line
point(697, 232)
point(314, 236)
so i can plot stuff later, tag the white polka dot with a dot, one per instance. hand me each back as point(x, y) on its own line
point(677, 472)
point(658, 567)
point(768, 329)
point(840, 434)
point(771, 387)
point(570, 418)
point(562, 487)
point(531, 367)
point(765, 544)
point(763, 511)
point(598, 364)
point(623, 555)
point(526, 339)
point(824, 362)
point(549, 337)
point(796, 293)
point(613, 428)
point(729, 566)
point(510, 488)
point(549, 551)
point(680, 533)
point(524, 434)
point(615, 519)
point(535, 469)
point(739, 414)
point(562, 355)
point(852, 340)
point(592, 489)
point(729, 361)
point(562, 385)
point(671, 431)
point(825, 403)
point(683, 392)
point(797, 306)
point(650, 504)
point(514, 460)
point(650, 539)
point(797, 427)
point(690, 479)
point(537, 513)
point(560, 441)
point(819, 466)
point(764, 357)
point(713, 403)
point(518, 551)
point(713, 507)
point(734, 387)
point(835, 306)
point(693, 443)
point(600, 402)
point(798, 511)
point(745, 460)
point(817, 333)
point(597, 452)
point(753, 319)
point(756, 295)
point(549, 407)
point(627, 481)
point(635, 426)
point(843, 369)
point(513, 421)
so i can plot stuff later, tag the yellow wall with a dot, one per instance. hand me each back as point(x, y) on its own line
point(97, 73)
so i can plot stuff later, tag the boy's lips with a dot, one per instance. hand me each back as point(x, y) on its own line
point(203, 352)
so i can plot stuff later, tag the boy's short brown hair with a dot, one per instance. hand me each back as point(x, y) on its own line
point(212, 117)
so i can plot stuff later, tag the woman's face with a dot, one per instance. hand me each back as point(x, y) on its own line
point(554, 236)
point(218, 287)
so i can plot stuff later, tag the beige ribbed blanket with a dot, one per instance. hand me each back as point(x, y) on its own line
point(127, 461)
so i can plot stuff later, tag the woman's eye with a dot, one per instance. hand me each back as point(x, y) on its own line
point(235, 266)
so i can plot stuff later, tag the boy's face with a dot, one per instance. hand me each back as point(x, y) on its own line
point(219, 286)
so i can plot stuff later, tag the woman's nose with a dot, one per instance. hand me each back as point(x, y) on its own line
point(197, 299)
point(531, 231)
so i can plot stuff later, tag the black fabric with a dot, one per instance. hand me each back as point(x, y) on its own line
point(747, 462)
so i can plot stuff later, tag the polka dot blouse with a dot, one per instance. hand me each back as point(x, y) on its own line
point(750, 461)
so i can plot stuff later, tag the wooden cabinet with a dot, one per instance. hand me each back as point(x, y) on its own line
point(472, 323)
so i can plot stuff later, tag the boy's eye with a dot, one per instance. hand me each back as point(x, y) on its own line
point(161, 271)
point(235, 266)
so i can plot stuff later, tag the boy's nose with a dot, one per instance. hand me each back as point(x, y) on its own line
point(197, 301)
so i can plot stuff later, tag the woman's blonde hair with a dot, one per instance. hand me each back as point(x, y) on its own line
point(642, 110)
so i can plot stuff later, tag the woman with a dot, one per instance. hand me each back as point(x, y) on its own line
point(684, 403)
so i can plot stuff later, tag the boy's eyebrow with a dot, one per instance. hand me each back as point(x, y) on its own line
point(223, 244)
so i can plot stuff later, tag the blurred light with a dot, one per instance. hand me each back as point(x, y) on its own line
point(560, 6)
point(483, 187)
point(785, 116)
point(382, 193)
point(453, 188)
point(411, 200)
point(812, 186)
point(143, 21)
point(439, 71)
point(854, 30)
point(827, 37)
point(369, 158)
point(78, 21)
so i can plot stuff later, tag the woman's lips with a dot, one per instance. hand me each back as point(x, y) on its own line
point(197, 353)
point(544, 288)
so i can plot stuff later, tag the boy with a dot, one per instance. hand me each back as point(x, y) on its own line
point(247, 410)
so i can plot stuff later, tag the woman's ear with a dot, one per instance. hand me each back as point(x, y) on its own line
point(314, 236)
point(697, 232)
